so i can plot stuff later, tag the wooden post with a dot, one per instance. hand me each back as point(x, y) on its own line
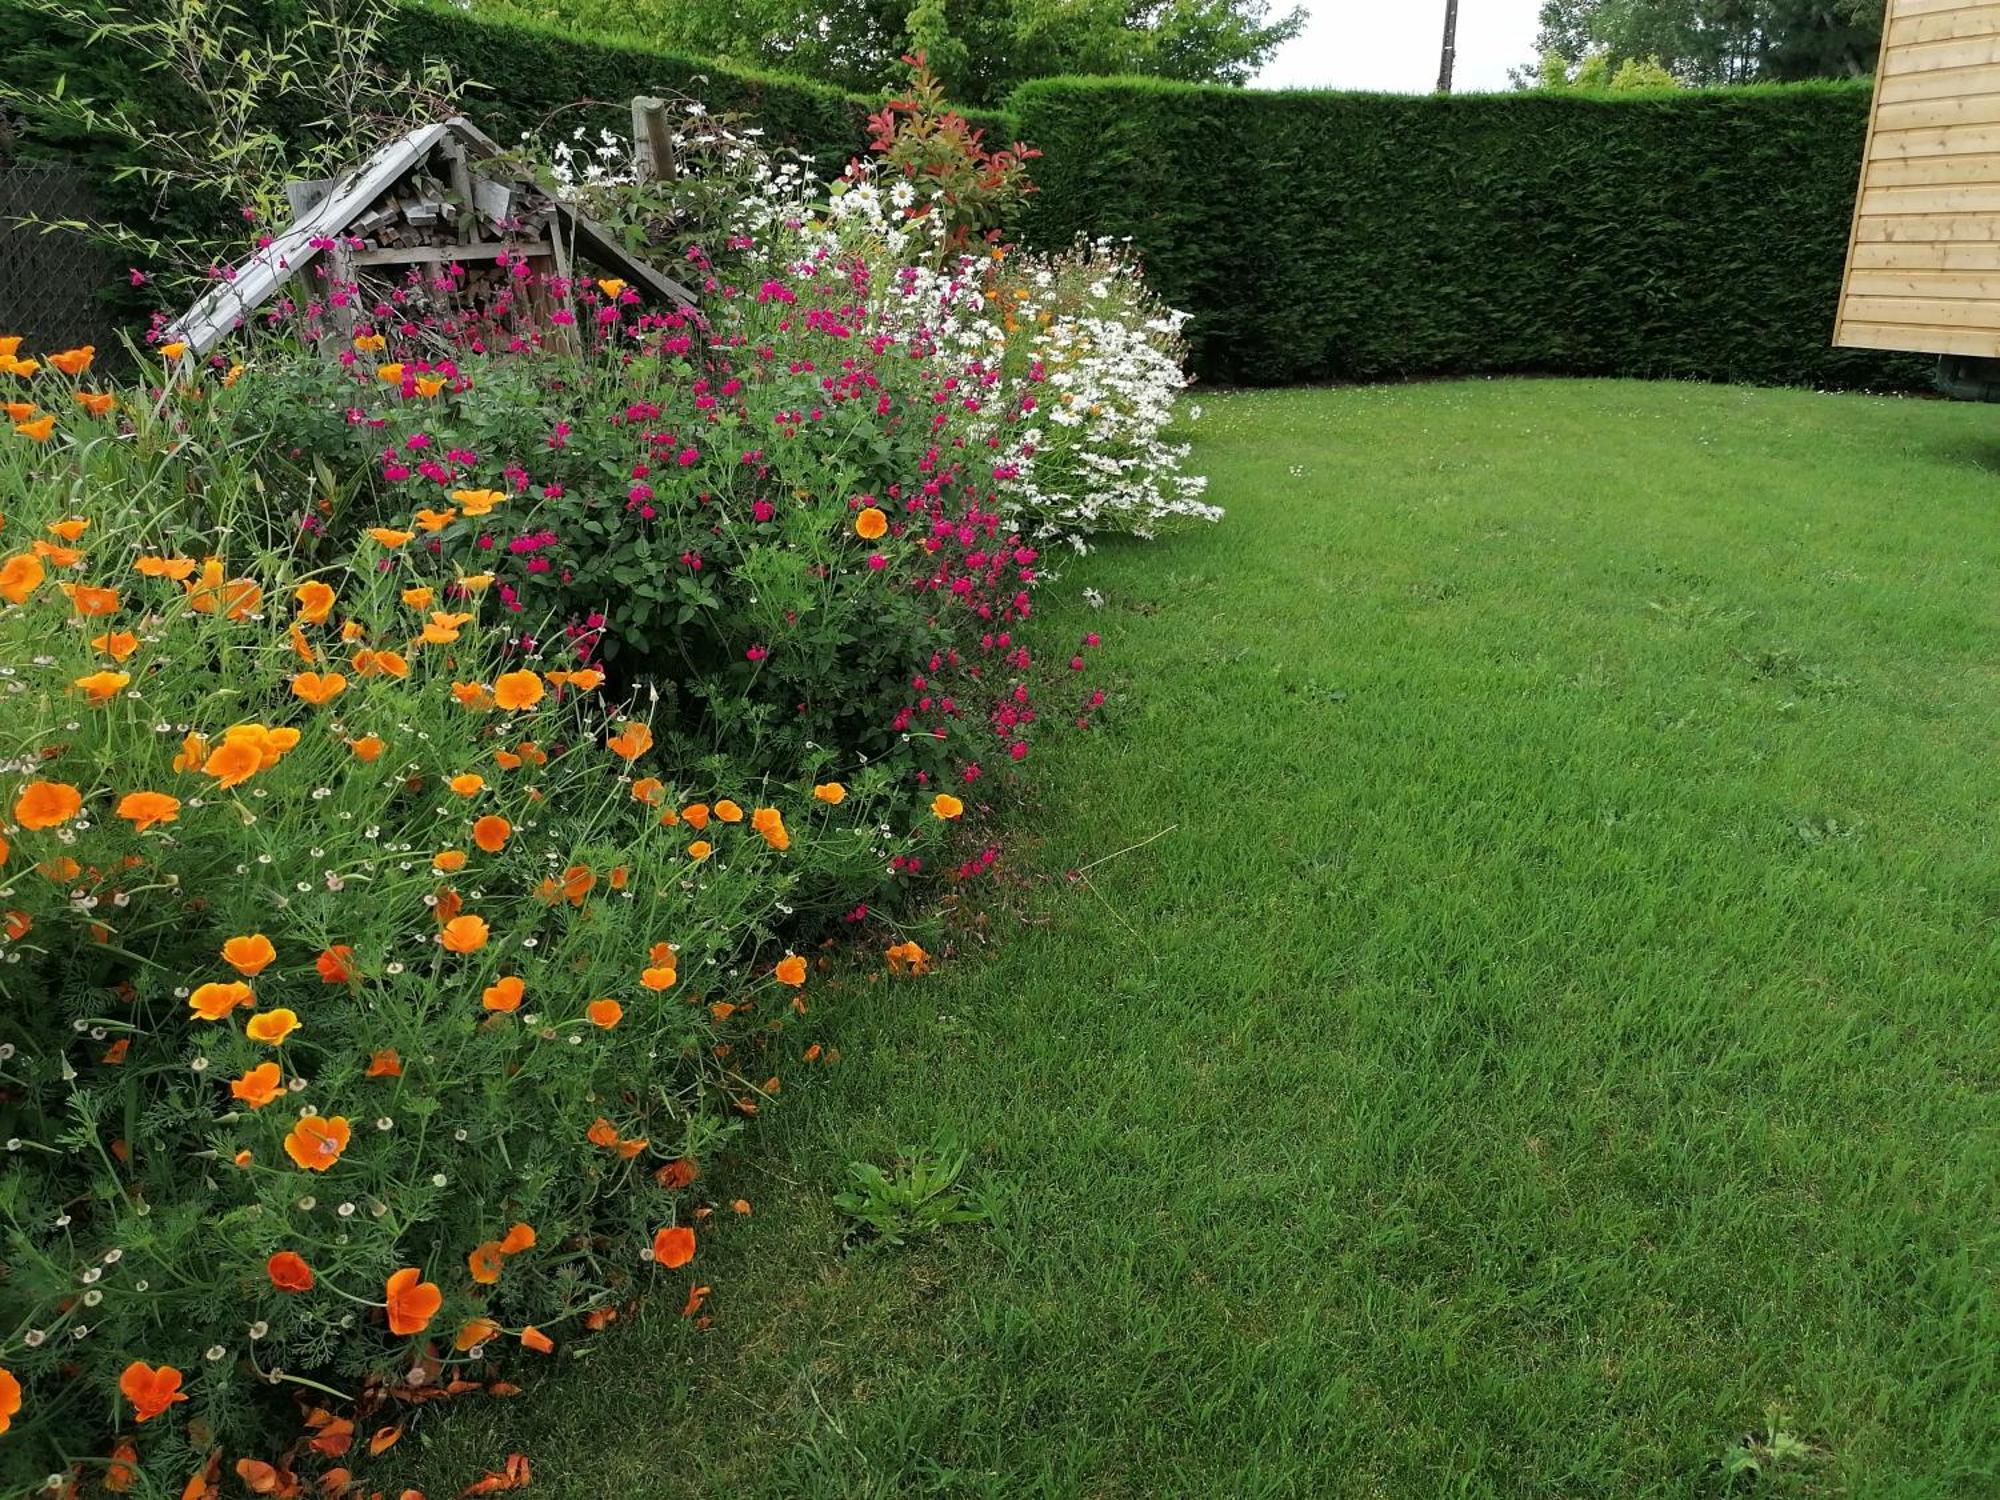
point(652, 139)
point(1450, 59)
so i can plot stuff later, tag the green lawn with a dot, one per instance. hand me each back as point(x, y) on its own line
point(1558, 1030)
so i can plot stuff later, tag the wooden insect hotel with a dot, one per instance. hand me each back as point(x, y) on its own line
point(436, 221)
point(1923, 261)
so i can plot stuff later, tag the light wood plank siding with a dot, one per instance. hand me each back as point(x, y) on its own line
point(1923, 263)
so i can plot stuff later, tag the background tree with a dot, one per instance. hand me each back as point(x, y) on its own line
point(1715, 41)
point(982, 49)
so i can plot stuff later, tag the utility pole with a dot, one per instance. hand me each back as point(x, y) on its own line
point(1450, 46)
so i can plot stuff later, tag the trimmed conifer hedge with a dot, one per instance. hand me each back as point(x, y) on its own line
point(1356, 236)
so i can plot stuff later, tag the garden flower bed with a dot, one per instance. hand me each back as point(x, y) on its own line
point(431, 775)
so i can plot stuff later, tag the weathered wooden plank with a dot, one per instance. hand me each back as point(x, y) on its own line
point(1955, 198)
point(1929, 312)
point(1891, 255)
point(1901, 8)
point(1937, 114)
point(1945, 25)
point(1917, 338)
point(1957, 139)
point(1927, 228)
point(1932, 171)
point(446, 254)
point(1977, 81)
point(1929, 281)
point(1935, 57)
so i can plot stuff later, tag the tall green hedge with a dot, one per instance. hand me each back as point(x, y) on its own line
point(1355, 236)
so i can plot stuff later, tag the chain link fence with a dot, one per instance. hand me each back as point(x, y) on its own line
point(51, 281)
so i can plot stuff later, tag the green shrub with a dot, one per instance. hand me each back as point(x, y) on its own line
point(248, 790)
point(1351, 236)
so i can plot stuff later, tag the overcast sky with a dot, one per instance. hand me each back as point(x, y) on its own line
point(1394, 44)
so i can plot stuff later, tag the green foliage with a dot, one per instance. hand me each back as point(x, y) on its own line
point(919, 1194)
point(428, 964)
point(1720, 41)
point(983, 49)
point(1316, 235)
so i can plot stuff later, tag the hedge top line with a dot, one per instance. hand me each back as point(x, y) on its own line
point(635, 52)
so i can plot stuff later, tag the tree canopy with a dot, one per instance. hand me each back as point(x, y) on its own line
point(1715, 41)
point(981, 48)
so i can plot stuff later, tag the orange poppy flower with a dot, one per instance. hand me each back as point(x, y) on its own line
point(60, 869)
point(289, 1272)
point(442, 627)
point(151, 1391)
point(179, 569)
point(770, 823)
point(504, 993)
point(318, 688)
point(907, 958)
point(648, 789)
point(336, 964)
point(57, 557)
point(74, 361)
point(632, 742)
point(174, 349)
point(533, 1338)
point(700, 850)
point(69, 528)
point(620, 877)
point(475, 1331)
point(368, 748)
point(870, 524)
point(419, 598)
point(696, 816)
point(385, 1064)
point(413, 1302)
point(389, 536)
point(946, 806)
point(47, 804)
point(578, 882)
point(601, 1133)
point(144, 809)
point(532, 753)
point(18, 411)
point(491, 833)
point(448, 861)
point(249, 956)
point(116, 644)
point(101, 687)
point(434, 521)
point(97, 403)
point(315, 1142)
point(467, 784)
point(233, 762)
point(236, 598)
point(90, 600)
point(449, 904)
point(520, 1237)
point(507, 759)
point(831, 792)
point(678, 1173)
point(271, 1027)
point(474, 695)
point(728, 811)
point(302, 648)
point(41, 429)
point(215, 1000)
point(515, 691)
point(791, 970)
point(476, 583)
point(19, 925)
point(315, 600)
point(673, 1247)
point(605, 1013)
point(659, 976)
point(20, 576)
point(465, 934)
point(259, 1086)
point(484, 1262)
point(477, 502)
point(429, 385)
point(696, 1296)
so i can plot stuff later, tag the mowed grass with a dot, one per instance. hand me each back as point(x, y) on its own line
point(1557, 1037)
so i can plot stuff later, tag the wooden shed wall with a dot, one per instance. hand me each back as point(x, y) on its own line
point(1923, 267)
